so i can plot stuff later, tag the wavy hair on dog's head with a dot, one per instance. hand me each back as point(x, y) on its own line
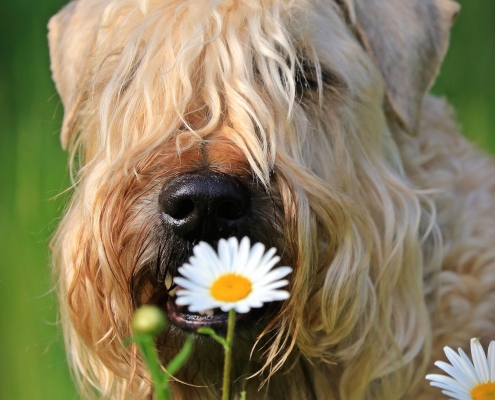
point(294, 93)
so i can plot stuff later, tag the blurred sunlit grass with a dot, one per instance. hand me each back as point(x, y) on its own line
point(33, 171)
point(467, 77)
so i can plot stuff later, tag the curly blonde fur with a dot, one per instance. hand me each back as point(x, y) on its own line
point(381, 208)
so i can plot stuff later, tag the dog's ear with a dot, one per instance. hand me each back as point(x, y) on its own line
point(71, 37)
point(407, 40)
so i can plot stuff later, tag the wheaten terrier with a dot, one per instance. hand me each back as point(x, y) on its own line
point(303, 124)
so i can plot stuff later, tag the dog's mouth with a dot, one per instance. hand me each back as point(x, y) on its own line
point(207, 206)
point(179, 316)
point(189, 321)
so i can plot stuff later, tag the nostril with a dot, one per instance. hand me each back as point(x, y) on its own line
point(231, 210)
point(205, 207)
point(181, 208)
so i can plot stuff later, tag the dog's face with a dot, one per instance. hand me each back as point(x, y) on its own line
point(200, 120)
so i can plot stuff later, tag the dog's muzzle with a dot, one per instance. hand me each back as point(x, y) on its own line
point(203, 207)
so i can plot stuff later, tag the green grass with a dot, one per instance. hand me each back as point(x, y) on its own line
point(33, 170)
point(467, 78)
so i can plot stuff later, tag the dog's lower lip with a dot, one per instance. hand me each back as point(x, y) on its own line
point(193, 321)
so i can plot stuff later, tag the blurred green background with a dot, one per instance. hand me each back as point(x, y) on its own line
point(33, 171)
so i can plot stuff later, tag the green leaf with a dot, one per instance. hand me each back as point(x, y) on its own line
point(243, 395)
point(213, 334)
point(180, 358)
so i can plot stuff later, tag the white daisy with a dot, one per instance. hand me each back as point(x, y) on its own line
point(239, 277)
point(468, 382)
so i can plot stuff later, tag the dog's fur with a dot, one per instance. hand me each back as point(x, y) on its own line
point(358, 176)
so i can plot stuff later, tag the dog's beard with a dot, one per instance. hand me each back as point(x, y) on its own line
point(205, 364)
point(201, 376)
point(152, 283)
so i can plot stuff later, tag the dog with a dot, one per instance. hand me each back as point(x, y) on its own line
point(303, 124)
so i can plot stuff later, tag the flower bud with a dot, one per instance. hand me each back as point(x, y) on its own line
point(148, 319)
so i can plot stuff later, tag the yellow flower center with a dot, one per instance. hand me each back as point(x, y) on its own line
point(484, 391)
point(231, 287)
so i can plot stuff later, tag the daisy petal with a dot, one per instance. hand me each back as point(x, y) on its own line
point(446, 383)
point(202, 306)
point(278, 295)
point(242, 308)
point(195, 304)
point(455, 396)
point(196, 275)
point(234, 250)
point(272, 276)
point(479, 359)
point(243, 254)
point(462, 364)
point(456, 375)
point(446, 387)
point(255, 303)
point(264, 263)
point(204, 252)
point(224, 253)
point(465, 375)
point(268, 256)
point(263, 269)
point(187, 284)
point(255, 256)
point(491, 359)
point(227, 306)
point(274, 285)
point(468, 367)
point(186, 293)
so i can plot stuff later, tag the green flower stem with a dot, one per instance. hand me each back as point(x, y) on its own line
point(145, 342)
point(228, 352)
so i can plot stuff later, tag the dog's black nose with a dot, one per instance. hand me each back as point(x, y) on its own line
point(205, 207)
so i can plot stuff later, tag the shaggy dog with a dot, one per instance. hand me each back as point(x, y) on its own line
point(303, 124)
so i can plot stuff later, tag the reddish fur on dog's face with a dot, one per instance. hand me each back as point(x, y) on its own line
point(282, 99)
